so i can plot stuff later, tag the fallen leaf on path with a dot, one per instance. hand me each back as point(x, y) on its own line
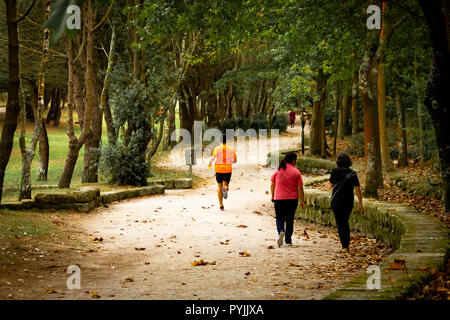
point(257, 212)
point(245, 254)
point(50, 290)
point(247, 273)
point(139, 249)
point(97, 239)
point(398, 264)
point(291, 264)
point(201, 262)
point(270, 247)
point(128, 279)
point(242, 226)
point(305, 234)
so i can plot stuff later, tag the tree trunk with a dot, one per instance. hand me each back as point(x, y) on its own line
point(384, 145)
point(44, 153)
point(346, 112)
point(57, 115)
point(437, 98)
point(401, 129)
point(324, 97)
point(74, 143)
point(368, 90)
point(104, 106)
point(169, 128)
point(337, 115)
point(316, 130)
point(155, 142)
point(12, 107)
point(93, 138)
point(419, 116)
point(355, 111)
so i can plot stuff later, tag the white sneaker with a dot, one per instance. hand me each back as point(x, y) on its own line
point(280, 239)
point(225, 193)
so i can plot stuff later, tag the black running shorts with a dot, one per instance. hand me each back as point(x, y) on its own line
point(221, 177)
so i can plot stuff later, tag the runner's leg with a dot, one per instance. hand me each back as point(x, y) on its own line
point(220, 193)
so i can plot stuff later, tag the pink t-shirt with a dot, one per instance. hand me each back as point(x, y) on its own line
point(287, 182)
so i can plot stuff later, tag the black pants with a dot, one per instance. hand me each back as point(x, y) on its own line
point(342, 215)
point(284, 214)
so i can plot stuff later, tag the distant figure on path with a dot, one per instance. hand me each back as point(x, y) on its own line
point(292, 118)
point(344, 180)
point(224, 157)
point(286, 188)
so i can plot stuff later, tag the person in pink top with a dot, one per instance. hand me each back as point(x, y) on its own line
point(286, 188)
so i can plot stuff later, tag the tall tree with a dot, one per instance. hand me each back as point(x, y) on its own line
point(28, 154)
point(437, 98)
point(368, 90)
point(75, 143)
point(13, 106)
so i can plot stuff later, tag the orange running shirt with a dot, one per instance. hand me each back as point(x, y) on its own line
point(225, 157)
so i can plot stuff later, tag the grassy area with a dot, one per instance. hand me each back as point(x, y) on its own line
point(25, 224)
point(59, 141)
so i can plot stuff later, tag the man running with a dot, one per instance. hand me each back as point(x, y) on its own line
point(224, 157)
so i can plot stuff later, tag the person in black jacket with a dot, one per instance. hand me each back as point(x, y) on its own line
point(344, 180)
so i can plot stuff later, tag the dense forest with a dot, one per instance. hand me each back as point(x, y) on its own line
point(136, 66)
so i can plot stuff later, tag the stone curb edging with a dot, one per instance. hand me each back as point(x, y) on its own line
point(87, 198)
point(421, 241)
point(185, 183)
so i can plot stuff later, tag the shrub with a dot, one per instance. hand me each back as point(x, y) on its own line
point(392, 137)
point(394, 153)
point(280, 122)
point(227, 124)
point(356, 147)
point(242, 123)
point(125, 164)
point(259, 121)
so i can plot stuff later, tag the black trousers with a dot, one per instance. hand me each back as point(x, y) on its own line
point(342, 215)
point(284, 214)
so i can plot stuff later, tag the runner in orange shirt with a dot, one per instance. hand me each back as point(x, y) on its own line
point(224, 157)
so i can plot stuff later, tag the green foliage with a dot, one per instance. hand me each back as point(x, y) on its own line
point(125, 164)
point(259, 121)
point(227, 124)
point(243, 123)
point(356, 147)
point(280, 122)
point(429, 143)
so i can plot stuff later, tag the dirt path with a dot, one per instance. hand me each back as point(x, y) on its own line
point(148, 245)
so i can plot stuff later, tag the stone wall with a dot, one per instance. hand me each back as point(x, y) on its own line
point(307, 164)
point(87, 198)
point(420, 240)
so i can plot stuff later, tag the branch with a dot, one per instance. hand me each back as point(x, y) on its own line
point(28, 11)
point(106, 16)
